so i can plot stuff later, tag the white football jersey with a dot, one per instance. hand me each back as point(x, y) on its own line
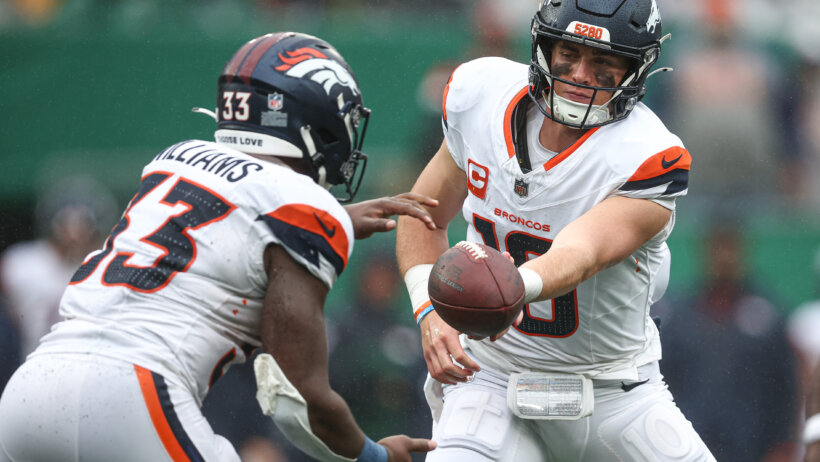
point(178, 286)
point(602, 328)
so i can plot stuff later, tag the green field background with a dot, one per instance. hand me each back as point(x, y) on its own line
point(102, 90)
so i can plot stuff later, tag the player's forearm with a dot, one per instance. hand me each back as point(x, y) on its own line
point(332, 421)
point(561, 270)
point(417, 245)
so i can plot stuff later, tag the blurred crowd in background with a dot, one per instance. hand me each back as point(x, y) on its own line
point(745, 99)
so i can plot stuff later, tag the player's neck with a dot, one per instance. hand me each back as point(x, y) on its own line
point(557, 136)
point(294, 164)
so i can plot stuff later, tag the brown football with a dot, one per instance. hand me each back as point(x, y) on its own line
point(476, 289)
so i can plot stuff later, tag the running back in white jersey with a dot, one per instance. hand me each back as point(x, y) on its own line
point(602, 328)
point(179, 284)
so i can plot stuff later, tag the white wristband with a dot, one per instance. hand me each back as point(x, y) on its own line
point(416, 281)
point(532, 284)
point(811, 431)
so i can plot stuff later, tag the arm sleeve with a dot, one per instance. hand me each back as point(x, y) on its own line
point(280, 400)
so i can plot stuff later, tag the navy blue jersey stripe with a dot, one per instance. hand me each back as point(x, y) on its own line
point(678, 180)
point(306, 243)
point(220, 367)
point(173, 421)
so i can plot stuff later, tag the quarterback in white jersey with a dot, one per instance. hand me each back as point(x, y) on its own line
point(226, 247)
point(602, 332)
point(561, 166)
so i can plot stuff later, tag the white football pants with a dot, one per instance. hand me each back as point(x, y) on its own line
point(88, 408)
point(642, 424)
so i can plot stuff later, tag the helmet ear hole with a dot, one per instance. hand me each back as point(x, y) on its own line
point(326, 136)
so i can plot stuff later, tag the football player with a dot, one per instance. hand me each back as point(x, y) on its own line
point(561, 165)
point(225, 247)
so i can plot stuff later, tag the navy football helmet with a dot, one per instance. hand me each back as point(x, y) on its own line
point(292, 95)
point(628, 28)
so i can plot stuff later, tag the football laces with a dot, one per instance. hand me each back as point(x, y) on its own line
point(473, 249)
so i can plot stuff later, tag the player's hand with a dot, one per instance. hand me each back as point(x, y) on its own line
point(515, 323)
point(399, 447)
point(372, 216)
point(497, 336)
point(441, 347)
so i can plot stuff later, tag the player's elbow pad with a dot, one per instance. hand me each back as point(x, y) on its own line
point(288, 409)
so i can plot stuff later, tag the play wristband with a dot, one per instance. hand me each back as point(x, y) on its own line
point(372, 452)
point(416, 281)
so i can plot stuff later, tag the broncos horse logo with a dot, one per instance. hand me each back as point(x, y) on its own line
point(322, 70)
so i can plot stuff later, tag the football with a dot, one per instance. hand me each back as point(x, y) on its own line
point(476, 289)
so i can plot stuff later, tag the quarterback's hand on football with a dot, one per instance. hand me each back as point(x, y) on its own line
point(373, 216)
point(441, 348)
point(399, 447)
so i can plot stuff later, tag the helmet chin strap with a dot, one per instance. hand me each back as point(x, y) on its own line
point(569, 111)
point(311, 148)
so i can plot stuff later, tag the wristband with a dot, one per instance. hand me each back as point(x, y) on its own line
point(811, 431)
point(416, 281)
point(533, 285)
point(372, 452)
point(423, 311)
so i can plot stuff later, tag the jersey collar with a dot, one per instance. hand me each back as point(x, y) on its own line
point(515, 134)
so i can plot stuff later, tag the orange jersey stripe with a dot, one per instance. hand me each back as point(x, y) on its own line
point(316, 221)
point(444, 96)
point(567, 152)
point(166, 435)
point(508, 120)
point(674, 158)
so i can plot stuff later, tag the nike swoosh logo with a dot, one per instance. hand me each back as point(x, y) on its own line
point(632, 385)
point(666, 164)
point(329, 232)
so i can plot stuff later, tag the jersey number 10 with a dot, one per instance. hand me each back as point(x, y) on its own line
point(521, 245)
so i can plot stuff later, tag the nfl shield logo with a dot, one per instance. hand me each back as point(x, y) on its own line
point(275, 101)
point(521, 188)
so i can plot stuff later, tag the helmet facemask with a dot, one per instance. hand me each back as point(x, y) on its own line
point(321, 146)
